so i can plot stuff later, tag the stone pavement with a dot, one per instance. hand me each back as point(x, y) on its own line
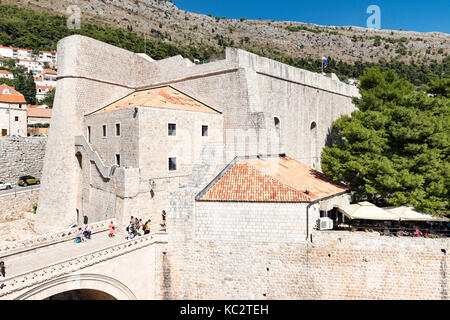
point(46, 256)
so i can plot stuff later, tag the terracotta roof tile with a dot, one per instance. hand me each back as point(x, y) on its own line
point(49, 71)
point(39, 113)
point(44, 88)
point(13, 97)
point(271, 179)
point(160, 98)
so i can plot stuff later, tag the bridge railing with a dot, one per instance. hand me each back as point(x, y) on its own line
point(11, 248)
point(56, 270)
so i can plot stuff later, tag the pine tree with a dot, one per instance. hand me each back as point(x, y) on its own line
point(30, 89)
point(396, 147)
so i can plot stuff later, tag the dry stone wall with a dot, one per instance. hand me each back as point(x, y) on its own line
point(21, 156)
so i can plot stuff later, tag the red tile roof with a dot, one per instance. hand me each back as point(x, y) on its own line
point(49, 71)
point(13, 97)
point(43, 88)
point(28, 50)
point(270, 179)
point(5, 72)
point(39, 113)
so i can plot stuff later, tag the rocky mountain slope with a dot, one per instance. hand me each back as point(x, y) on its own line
point(163, 20)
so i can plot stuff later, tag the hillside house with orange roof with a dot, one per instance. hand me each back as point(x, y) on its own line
point(13, 113)
point(270, 198)
point(46, 78)
point(41, 91)
point(4, 74)
point(48, 56)
point(15, 53)
point(155, 135)
point(30, 66)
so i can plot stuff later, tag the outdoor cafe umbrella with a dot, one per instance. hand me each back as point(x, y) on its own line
point(406, 213)
point(367, 211)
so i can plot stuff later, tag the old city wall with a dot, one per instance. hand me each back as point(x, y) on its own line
point(93, 74)
point(251, 91)
point(336, 265)
point(14, 205)
point(21, 156)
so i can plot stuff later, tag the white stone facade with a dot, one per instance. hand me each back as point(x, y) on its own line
point(250, 91)
point(13, 119)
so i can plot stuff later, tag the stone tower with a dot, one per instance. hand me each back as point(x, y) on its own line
point(261, 100)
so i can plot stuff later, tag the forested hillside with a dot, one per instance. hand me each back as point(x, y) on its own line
point(26, 28)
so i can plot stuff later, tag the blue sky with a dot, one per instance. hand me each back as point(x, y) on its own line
point(411, 15)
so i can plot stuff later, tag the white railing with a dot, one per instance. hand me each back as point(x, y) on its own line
point(7, 249)
point(56, 270)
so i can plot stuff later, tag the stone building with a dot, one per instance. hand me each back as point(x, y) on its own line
point(144, 143)
point(265, 198)
point(13, 112)
point(267, 108)
point(5, 74)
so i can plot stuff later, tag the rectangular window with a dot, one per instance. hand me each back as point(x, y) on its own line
point(89, 134)
point(172, 129)
point(16, 119)
point(118, 129)
point(204, 131)
point(104, 130)
point(172, 164)
point(118, 159)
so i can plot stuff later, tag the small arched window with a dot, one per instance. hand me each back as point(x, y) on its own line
point(276, 123)
point(6, 91)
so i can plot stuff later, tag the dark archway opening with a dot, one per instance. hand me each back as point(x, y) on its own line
point(82, 294)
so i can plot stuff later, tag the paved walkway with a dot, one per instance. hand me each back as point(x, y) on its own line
point(41, 257)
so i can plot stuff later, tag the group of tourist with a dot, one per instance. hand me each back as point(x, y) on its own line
point(415, 232)
point(136, 227)
point(83, 235)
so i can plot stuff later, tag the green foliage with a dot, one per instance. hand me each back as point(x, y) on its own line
point(39, 125)
point(396, 147)
point(417, 74)
point(30, 89)
point(26, 28)
point(49, 98)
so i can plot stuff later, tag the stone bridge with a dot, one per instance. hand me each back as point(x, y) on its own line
point(53, 266)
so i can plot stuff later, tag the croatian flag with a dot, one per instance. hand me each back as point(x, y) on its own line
point(325, 61)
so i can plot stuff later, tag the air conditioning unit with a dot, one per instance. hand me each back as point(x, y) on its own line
point(325, 224)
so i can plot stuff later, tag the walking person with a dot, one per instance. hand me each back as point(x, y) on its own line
point(163, 214)
point(137, 227)
point(147, 227)
point(2, 274)
point(131, 231)
point(112, 229)
point(87, 232)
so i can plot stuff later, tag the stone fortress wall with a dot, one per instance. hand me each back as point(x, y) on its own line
point(334, 266)
point(250, 91)
point(21, 156)
point(264, 100)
